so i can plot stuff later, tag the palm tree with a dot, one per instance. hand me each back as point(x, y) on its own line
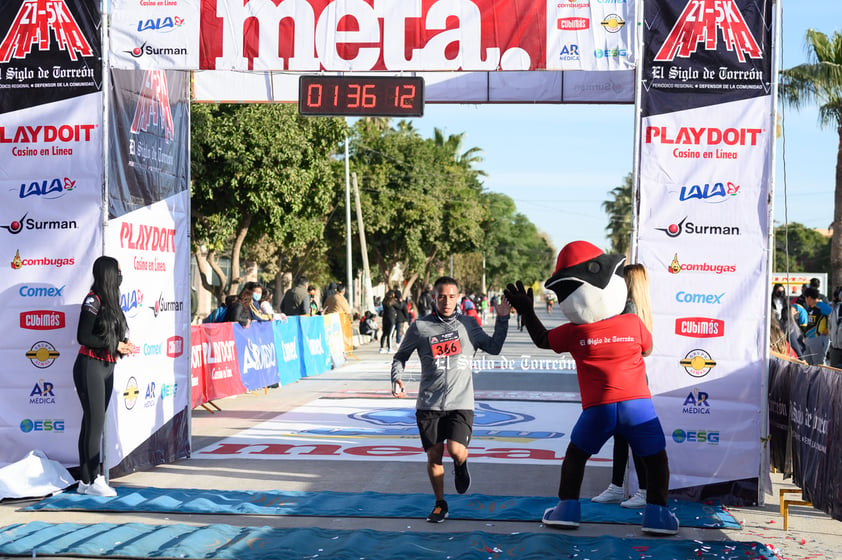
point(619, 210)
point(820, 81)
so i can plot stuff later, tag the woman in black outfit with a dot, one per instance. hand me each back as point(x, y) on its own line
point(102, 334)
point(390, 313)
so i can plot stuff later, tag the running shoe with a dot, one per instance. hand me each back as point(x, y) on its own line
point(97, 488)
point(638, 501)
point(463, 477)
point(612, 495)
point(439, 513)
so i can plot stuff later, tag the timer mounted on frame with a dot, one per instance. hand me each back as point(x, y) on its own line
point(361, 96)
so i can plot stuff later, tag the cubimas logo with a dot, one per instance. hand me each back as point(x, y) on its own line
point(153, 106)
point(42, 320)
point(18, 262)
point(691, 228)
point(697, 363)
point(175, 346)
point(700, 24)
point(30, 224)
point(36, 24)
point(573, 23)
point(675, 267)
point(699, 327)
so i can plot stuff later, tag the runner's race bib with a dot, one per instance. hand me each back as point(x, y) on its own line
point(447, 344)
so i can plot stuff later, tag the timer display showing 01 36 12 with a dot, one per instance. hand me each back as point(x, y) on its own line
point(361, 96)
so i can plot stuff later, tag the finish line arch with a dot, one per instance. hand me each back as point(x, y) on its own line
point(705, 98)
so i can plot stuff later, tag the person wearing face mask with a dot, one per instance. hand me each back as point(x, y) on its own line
point(102, 335)
point(779, 304)
point(256, 313)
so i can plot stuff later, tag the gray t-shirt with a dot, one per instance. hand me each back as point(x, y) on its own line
point(446, 348)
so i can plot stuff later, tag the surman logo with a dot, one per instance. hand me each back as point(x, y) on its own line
point(153, 106)
point(700, 22)
point(32, 26)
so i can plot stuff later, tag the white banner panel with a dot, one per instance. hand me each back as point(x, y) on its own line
point(154, 384)
point(154, 34)
point(51, 177)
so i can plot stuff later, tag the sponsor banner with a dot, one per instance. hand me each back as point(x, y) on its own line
point(706, 52)
point(706, 150)
point(335, 338)
point(198, 385)
point(433, 35)
point(359, 429)
point(150, 136)
point(314, 348)
point(154, 34)
point(793, 281)
point(50, 50)
point(256, 355)
point(590, 35)
point(288, 349)
point(219, 361)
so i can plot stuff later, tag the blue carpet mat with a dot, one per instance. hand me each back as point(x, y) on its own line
point(138, 540)
point(367, 504)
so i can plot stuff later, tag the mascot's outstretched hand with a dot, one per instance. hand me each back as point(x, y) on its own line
point(519, 297)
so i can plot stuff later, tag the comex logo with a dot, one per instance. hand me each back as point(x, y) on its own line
point(31, 27)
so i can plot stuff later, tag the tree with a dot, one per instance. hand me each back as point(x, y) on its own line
point(260, 171)
point(820, 81)
point(808, 250)
point(619, 210)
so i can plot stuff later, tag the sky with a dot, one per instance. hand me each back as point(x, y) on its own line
point(560, 162)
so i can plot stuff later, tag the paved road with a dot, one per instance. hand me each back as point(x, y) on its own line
point(367, 374)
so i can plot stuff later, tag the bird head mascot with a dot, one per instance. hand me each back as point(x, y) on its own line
point(608, 347)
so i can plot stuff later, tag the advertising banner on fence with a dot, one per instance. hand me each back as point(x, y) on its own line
point(706, 148)
point(198, 388)
point(256, 354)
point(220, 363)
point(373, 35)
point(315, 350)
point(288, 349)
point(335, 337)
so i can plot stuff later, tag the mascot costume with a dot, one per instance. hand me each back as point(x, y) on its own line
point(608, 347)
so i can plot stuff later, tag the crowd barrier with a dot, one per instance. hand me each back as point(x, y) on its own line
point(227, 359)
point(805, 428)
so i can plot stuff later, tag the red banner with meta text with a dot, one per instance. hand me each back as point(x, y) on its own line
point(216, 357)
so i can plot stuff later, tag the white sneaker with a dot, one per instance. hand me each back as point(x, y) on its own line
point(638, 501)
point(97, 488)
point(612, 495)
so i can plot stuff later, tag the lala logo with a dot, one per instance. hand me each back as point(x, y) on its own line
point(153, 106)
point(700, 22)
point(32, 25)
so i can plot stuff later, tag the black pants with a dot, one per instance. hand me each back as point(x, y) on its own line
point(94, 380)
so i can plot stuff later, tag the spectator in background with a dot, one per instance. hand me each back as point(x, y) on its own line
point(337, 303)
point(390, 313)
point(296, 300)
point(402, 317)
point(817, 284)
point(834, 327)
point(239, 308)
point(816, 337)
point(314, 305)
point(368, 326)
point(253, 304)
point(779, 302)
point(425, 301)
point(778, 341)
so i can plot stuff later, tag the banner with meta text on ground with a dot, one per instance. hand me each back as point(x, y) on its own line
point(706, 147)
point(373, 35)
point(51, 214)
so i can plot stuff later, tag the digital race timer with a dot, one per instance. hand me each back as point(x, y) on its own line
point(361, 96)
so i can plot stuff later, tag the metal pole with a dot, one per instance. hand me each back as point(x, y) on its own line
point(366, 299)
point(349, 280)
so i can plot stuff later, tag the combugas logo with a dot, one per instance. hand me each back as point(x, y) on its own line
point(700, 24)
point(675, 267)
point(698, 363)
point(37, 23)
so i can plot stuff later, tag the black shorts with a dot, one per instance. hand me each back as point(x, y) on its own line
point(435, 426)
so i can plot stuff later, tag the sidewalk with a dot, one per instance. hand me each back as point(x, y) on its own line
point(811, 534)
